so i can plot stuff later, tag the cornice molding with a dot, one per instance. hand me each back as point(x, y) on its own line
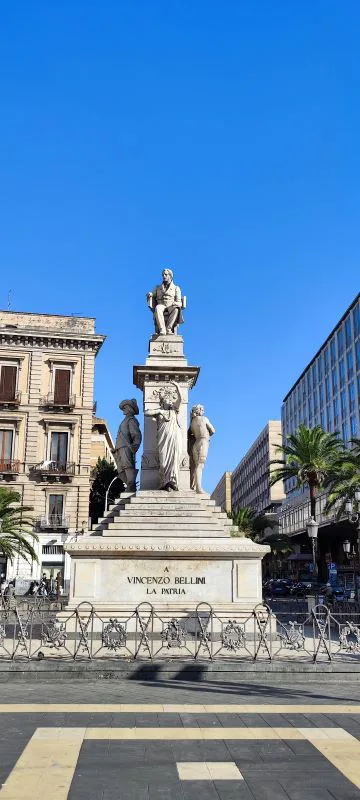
point(55, 340)
point(227, 547)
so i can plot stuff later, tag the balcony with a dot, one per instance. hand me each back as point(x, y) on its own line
point(55, 469)
point(8, 467)
point(50, 401)
point(10, 400)
point(53, 522)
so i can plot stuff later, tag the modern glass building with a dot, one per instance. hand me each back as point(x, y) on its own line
point(327, 393)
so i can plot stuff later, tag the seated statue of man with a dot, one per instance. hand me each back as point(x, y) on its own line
point(166, 303)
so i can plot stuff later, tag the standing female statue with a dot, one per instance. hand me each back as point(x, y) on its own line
point(169, 439)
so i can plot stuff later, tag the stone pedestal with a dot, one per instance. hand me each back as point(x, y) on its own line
point(166, 362)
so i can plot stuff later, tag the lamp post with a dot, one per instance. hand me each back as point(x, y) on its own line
point(312, 528)
point(354, 520)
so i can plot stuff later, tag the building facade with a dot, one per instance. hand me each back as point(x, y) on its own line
point(327, 393)
point(250, 481)
point(46, 411)
point(222, 493)
point(102, 445)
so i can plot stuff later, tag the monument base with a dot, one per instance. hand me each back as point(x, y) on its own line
point(173, 551)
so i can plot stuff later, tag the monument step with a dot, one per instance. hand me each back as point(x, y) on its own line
point(171, 512)
point(171, 499)
point(168, 509)
point(165, 526)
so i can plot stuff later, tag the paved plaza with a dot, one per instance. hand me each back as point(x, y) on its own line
point(169, 739)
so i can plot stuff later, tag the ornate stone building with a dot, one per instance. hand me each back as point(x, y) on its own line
point(46, 417)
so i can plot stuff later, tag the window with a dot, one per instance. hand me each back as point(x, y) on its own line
point(343, 402)
point(56, 509)
point(340, 342)
point(350, 363)
point(342, 372)
point(351, 397)
point(59, 448)
point(62, 386)
point(332, 351)
point(310, 408)
point(356, 320)
point(345, 432)
point(327, 389)
point(334, 380)
point(322, 420)
point(329, 418)
point(357, 351)
point(321, 395)
point(353, 426)
point(320, 369)
point(326, 360)
point(308, 378)
point(336, 411)
point(348, 332)
point(8, 376)
point(6, 443)
point(314, 375)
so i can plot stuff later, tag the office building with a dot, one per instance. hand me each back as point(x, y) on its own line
point(327, 393)
point(222, 493)
point(250, 480)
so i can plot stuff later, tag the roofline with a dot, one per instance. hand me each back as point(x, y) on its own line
point(262, 432)
point(44, 314)
point(323, 345)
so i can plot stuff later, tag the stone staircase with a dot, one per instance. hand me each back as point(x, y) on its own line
point(155, 513)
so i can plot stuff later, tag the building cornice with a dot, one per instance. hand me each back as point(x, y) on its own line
point(51, 340)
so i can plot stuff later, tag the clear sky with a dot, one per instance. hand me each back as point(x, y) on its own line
point(218, 138)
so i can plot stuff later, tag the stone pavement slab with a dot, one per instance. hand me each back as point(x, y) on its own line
point(124, 740)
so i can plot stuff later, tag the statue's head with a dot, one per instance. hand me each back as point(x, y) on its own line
point(167, 397)
point(197, 411)
point(167, 275)
point(129, 407)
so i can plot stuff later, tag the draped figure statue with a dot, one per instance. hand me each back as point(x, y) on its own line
point(169, 438)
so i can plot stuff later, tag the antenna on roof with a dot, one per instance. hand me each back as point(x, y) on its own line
point(9, 299)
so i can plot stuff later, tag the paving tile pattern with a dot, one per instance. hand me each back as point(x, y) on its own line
point(285, 741)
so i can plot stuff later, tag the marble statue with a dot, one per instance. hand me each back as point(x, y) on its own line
point(199, 434)
point(169, 437)
point(128, 441)
point(166, 303)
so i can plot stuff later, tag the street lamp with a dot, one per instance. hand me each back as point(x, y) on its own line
point(354, 520)
point(312, 528)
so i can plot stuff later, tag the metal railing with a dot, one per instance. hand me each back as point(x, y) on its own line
point(9, 467)
point(56, 468)
point(51, 401)
point(36, 630)
point(53, 521)
point(52, 550)
point(12, 399)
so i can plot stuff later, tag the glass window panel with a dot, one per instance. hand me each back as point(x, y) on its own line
point(321, 395)
point(345, 432)
point(342, 372)
point(348, 331)
point(6, 439)
point(356, 320)
point(334, 380)
point(340, 342)
point(332, 351)
point(350, 363)
point(56, 507)
point(357, 351)
point(327, 388)
point(320, 368)
point(314, 374)
point(326, 360)
point(59, 446)
point(351, 396)
point(353, 426)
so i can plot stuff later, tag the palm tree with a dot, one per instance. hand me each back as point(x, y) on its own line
point(312, 456)
point(249, 523)
point(344, 484)
point(16, 527)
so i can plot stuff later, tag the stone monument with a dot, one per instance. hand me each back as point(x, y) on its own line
point(167, 543)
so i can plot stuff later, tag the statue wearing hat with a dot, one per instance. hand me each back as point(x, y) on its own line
point(128, 441)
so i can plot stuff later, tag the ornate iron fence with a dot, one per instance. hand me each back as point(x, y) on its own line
point(41, 629)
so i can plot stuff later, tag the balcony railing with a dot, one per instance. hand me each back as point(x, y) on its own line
point(54, 521)
point(50, 401)
point(56, 468)
point(9, 467)
point(52, 550)
point(12, 399)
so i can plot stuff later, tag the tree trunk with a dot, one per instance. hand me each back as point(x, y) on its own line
point(313, 494)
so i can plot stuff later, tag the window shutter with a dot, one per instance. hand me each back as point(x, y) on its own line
point(8, 383)
point(62, 386)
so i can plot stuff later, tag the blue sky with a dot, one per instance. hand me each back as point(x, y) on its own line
point(221, 139)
